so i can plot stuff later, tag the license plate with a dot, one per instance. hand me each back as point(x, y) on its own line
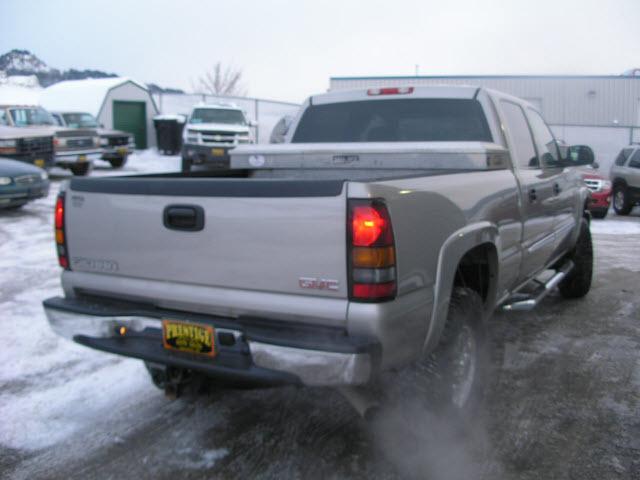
point(122, 151)
point(188, 337)
point(38, 162)
point(217, 152)
point(82, 158)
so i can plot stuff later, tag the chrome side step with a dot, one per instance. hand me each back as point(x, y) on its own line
point(524, 302)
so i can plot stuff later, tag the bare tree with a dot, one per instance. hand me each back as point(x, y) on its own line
point(222, 81)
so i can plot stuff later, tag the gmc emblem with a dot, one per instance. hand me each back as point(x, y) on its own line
point(319, 283)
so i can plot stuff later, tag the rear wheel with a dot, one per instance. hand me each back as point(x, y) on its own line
point(186, 164)
point(578, 282)
point(80, 169)
point(621, 201)
point(118, 162)
point(451, 379)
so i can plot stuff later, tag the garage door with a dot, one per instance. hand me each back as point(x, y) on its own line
point(131, 117)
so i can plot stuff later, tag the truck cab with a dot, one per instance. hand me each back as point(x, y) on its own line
point(211, 132)
point(74, 149)
point(116, 145)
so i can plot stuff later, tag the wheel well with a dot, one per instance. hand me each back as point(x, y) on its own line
point(619, 181)
point(477, 270)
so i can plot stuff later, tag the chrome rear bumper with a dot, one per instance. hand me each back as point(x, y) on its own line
point(308, 366)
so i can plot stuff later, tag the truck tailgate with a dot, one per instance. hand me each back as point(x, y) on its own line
point(258, 235)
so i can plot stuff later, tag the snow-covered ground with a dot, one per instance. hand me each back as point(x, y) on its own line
point(40, 410)
point(60, 400)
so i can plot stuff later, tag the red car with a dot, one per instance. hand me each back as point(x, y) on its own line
point(600, 193)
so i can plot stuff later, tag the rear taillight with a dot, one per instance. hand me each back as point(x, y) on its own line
point(61, 238)
point(372, 255)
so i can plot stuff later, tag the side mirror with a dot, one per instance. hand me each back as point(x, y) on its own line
point(580, 155)
point(252, 123)
point(102, 125)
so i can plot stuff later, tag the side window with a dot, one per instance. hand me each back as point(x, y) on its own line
point(623, 156)
point(58, 118)
point(635, 160)
point(3, 118)
point(546, 145)
point(520, 135)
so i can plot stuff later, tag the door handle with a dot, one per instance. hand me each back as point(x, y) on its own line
point(189, 218)
point(556, 189)
point(533, 196)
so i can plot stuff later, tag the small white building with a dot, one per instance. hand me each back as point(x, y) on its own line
point(118, 103)
point(600, 111)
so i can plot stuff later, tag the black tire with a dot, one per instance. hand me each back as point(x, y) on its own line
point(599, 214)
point(621, 202)
point(118, 162)
point(186, 165)
point(440, 382)
point(80, 169)
point(578, 282)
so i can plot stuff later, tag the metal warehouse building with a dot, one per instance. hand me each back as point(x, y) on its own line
point(118, 103)
point(600, 111)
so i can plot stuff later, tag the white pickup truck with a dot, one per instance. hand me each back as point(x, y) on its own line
point(377, 240)
point(211, 132)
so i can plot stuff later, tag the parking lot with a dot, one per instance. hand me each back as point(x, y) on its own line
point(564, 401)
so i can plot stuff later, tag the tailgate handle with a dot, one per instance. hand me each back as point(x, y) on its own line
point(189, 218)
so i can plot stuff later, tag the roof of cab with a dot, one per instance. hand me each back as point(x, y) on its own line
point(432, 91)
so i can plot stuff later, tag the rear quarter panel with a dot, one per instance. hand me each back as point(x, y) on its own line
point(436, 220)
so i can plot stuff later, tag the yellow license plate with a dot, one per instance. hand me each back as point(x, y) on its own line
point(82, 158)
point(217, 152)
point(38, 162)
point(122, 151)
point(188, 337)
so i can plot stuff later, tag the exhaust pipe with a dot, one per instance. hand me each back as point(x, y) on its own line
point(362, 400)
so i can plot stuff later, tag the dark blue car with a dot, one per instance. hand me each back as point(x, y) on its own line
point(20, 183)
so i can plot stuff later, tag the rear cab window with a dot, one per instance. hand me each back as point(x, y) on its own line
point(397, 120)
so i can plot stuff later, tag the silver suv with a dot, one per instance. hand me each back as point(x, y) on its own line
point(625, 176)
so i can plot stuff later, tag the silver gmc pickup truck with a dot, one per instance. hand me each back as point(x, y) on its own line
point(369, 248)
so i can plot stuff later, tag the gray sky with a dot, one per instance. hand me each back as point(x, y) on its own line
point(288, 49)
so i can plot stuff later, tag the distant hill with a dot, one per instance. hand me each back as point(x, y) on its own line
point(23, 62)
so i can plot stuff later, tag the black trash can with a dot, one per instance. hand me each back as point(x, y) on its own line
point(169, 133)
